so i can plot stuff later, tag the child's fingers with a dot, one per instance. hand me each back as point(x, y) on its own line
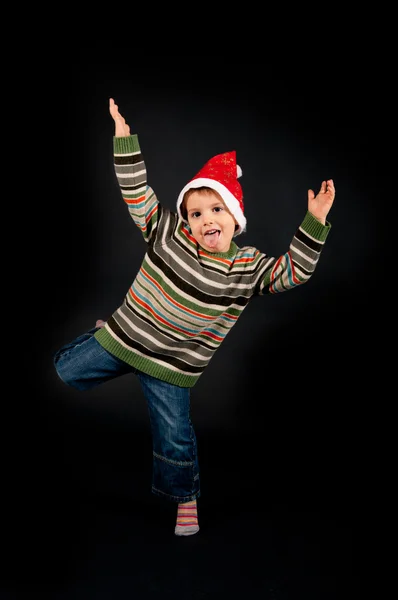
point(114, 109)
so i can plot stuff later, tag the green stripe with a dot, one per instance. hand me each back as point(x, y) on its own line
point(144, 364)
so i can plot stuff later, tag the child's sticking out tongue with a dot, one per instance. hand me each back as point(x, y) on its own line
point(212, 238)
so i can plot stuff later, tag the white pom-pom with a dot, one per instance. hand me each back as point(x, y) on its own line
point(238, 171)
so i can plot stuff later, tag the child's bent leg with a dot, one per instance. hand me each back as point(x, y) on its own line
point(84, 363)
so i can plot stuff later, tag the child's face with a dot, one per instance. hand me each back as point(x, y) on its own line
point(211, 223)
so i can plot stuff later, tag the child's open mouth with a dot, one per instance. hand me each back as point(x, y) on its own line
point(212, 236)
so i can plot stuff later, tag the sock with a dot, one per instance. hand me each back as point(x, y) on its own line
point(187, 518)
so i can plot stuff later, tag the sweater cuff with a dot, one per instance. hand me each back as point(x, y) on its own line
point(126, 145)
point(315, 228)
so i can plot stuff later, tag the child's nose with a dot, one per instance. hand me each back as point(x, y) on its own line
point(208, 218)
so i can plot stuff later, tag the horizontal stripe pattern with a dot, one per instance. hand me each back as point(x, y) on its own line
point(187, 514)
point(184, 300)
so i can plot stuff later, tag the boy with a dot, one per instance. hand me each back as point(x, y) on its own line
point(192, 286)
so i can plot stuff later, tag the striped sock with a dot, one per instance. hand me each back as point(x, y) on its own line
point(187, 518)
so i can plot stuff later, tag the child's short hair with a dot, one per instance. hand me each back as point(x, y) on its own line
point(205, 190)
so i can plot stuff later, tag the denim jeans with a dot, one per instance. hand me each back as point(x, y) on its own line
point(84, 364)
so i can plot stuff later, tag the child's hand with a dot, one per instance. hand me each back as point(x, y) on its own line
point(321, 204)
point(121, 127)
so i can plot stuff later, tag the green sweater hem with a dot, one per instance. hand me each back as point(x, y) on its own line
point(143, 364)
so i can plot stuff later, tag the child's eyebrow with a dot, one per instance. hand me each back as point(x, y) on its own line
point(211, 206)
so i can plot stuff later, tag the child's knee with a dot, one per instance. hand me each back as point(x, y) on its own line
point(70, 372)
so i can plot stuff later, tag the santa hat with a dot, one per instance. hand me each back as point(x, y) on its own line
point(221, 174)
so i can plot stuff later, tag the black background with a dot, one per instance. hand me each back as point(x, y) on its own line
point(285, 436)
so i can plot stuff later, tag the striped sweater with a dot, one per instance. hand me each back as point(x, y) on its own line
point(184, 300)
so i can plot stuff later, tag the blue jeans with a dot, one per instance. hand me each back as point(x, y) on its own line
point(84, 364)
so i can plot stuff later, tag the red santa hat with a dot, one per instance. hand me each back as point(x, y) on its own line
point(221, 173)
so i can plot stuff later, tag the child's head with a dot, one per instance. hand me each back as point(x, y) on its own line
point(212, 224)
point(220, 174)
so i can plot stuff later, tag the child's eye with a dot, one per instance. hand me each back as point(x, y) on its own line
point(195, 214)
point(218, 208)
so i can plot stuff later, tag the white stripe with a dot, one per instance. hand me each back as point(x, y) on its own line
point(303, 255)
point(310, 236)
point(298, 271)
point(267, 264)
point(131, 174)
point(200, 328)
point(126, 191)
point(177, 314)
point(158, 344)
point(193, 272)
point(188, 297)
point(128, 153)
point(156, 362)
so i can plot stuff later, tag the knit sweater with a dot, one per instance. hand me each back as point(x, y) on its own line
point(184, 300)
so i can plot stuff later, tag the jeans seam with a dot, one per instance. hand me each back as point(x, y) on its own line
point(175, 498)
point(177, 463)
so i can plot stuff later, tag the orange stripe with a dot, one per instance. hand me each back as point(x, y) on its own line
point(192, 312)
point(139, 301)
point(244, 260)
point(218, 258)
point(189, 236)
point(161, 320)
point(134, 200)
